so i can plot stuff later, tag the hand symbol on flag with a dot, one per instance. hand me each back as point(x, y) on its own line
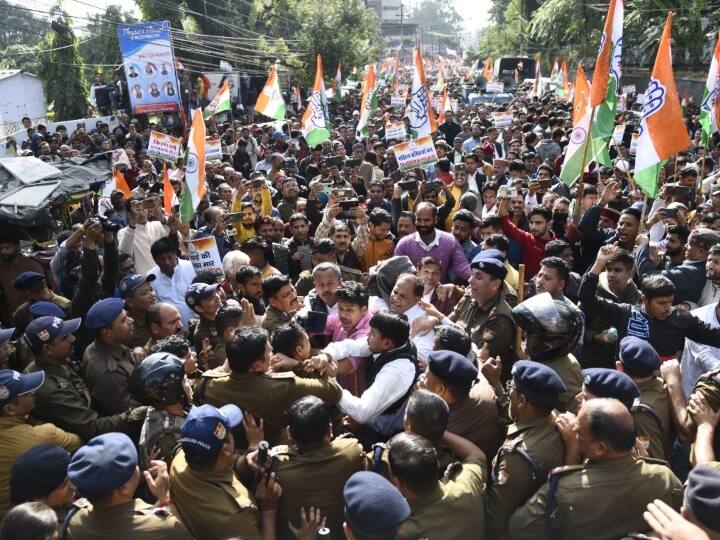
point(654, 100)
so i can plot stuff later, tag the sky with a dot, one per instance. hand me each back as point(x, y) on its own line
point(474, 12)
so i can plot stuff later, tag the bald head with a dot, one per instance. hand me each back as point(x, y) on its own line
point(163, 320)
point(607, 425)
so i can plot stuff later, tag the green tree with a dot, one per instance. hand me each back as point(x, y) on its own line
point(101, 45)
point(19, 56)
point(60, 68)
point(19, 27)
point(566, 28)
point(338, 30)
point(152, 10)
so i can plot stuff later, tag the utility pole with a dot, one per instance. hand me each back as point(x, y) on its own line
point(402, 30)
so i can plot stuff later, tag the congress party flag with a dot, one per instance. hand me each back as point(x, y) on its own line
point(444, 106)
point(270, 102)
point(578, 153)
point(195, 188)
point(168, 192)
point(420, 113)
point(337, 82)
point(369, 101)
point(710, 107)
point(537, 85)
point(117, 183)
point(314, 120)
point(606, 77)
point(221, 101)
point(662, 127)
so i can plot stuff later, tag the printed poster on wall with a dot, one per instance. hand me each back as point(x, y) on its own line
point(149, 66)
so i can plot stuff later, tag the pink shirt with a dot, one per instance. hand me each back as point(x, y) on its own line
point(354, 381)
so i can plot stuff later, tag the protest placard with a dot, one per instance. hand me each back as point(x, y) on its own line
point(120, 157)
point(502, 119)
point(213, 148)
point(204, 255)
point(417, 153)
point(634, 143)
point(618, 133)
point(396, 130)
point(494, 87)
point(397, 101)
point(163, 147)
point(628, 89)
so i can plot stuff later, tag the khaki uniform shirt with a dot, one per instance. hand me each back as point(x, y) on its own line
point(273, 319)
point(213, 505)
point(107, 370)
point(514, 479)
point(141, 331)
point(477, 419)
point(655, 431)
point(454, 510)
point(568, 369)
point(266, 396)
point(598, 500)
point(315, 477)
point(64, 400)
point(206, 330)
point(709, 387)
point(134, 519)
point(17, 436)
point(491, 322)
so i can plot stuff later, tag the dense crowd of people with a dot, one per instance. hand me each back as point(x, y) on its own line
point(470, 349)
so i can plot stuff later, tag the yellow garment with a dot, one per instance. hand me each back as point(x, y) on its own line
point(456, 193)
point(513, 276)
point(245, 233)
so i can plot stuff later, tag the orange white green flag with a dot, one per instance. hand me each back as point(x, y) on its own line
point(419, 110)
point(578, 152)
point(195, 187)
point(270, 102)
point(369, 101)
point(710, 107)
point(662, 127)
point(315, 118)
point(221, 101)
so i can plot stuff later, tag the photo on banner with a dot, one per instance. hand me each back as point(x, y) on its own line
point(149, 65)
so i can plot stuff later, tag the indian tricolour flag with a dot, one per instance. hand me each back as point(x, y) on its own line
point(195, 187)
point(710, 108)
point(369, 101)
point(270, 102)
point(221, 101)
point(314, 121)
point(419, 110)
point(662, 127)
point(578, 152)
point(337, 83)
point(606, 78)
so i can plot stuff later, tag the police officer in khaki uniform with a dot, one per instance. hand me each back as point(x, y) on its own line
point(314, 467)
point(105, 471)
point(37, 309)
point(607, 495)
point(17, 435)
point(483, 312)
point(33, 286)
point(204, 300)
point(251, 387)
point(451, 508)
point(108, 362)
point(652, 411)
point(139, 296)
point(474, 412)
point(533, 446)
point(64, 399)
point(707, 387)
point(209, 497)
point(552, 328)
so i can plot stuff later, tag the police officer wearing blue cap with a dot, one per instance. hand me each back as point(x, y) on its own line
point(108, 362)
point(701, 505)
point(533, 446)
point(204, 300)
point(374, 508)
point(472, 402)
point(6, 335)
point(105, 471)
point(484, 313)
point(608, 383)
point(34, 288)
point(205, 489)
point(652, 411)
point(40, 474)
point(139, 296)
point(64, 399)
point(17, 434)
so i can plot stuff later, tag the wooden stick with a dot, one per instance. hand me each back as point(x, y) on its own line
point(642, 213)
point(521, 297)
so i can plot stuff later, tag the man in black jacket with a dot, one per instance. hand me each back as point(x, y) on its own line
point(655, 319)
